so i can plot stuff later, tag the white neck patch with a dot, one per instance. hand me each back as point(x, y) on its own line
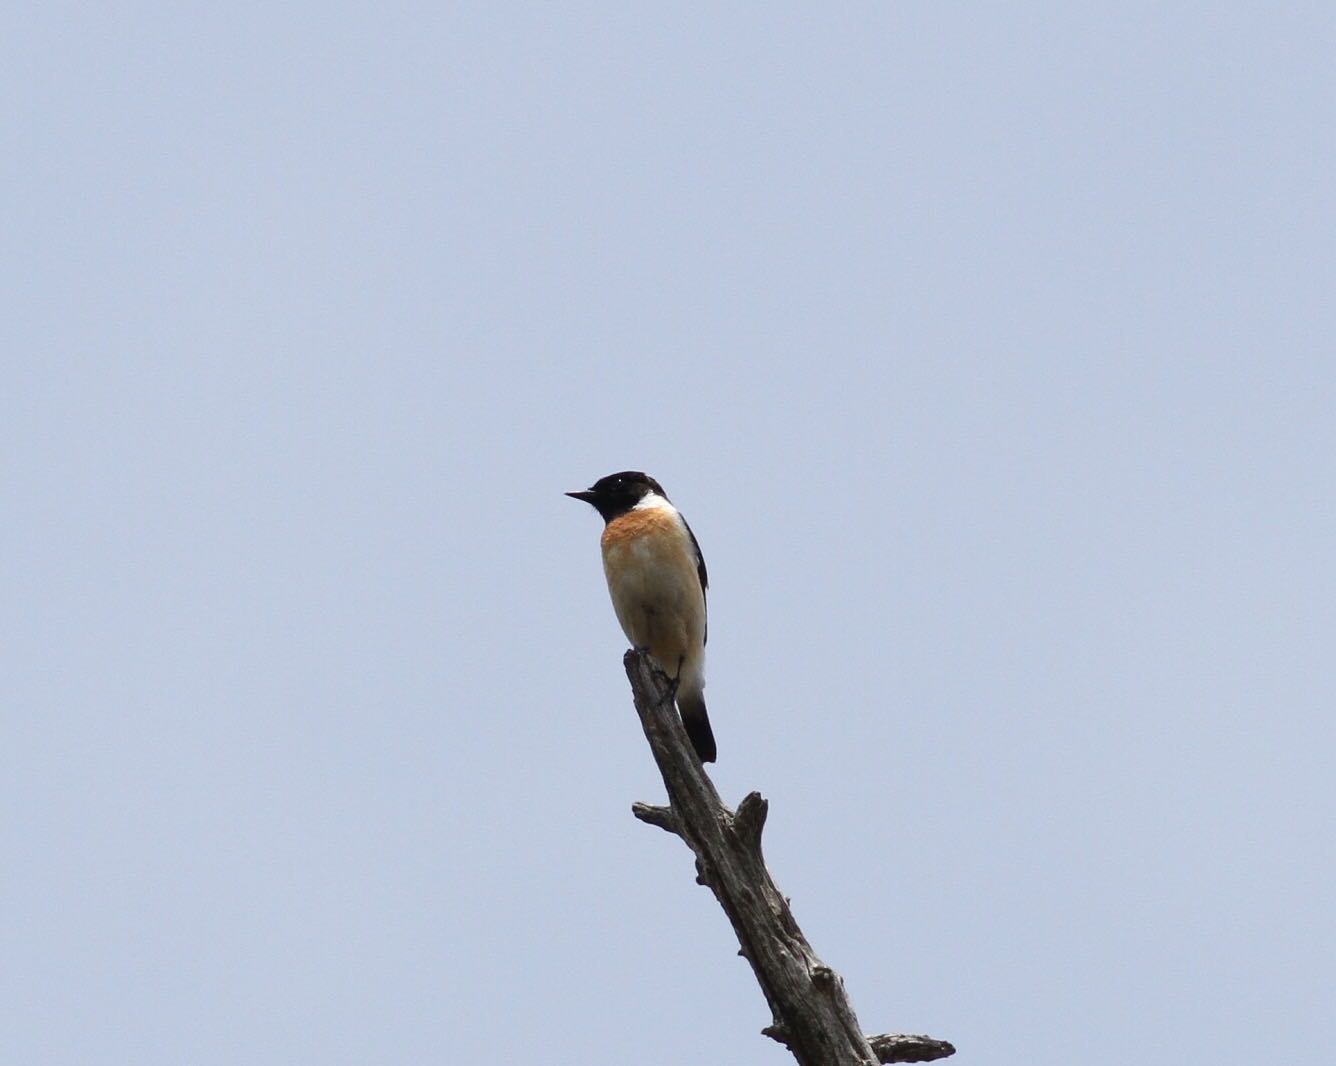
point(652, 501)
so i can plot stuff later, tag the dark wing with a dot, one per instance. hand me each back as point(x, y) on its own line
point(700, 573)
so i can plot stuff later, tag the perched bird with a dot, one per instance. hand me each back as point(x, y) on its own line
point(656, 576)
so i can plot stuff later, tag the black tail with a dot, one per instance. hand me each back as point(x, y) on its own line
point(697, 724)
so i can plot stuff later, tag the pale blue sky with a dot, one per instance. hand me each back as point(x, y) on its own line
point(988, 349)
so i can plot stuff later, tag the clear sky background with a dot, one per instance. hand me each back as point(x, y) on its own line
point(989, 350)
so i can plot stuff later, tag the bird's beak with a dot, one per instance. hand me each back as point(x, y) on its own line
point(588, 495)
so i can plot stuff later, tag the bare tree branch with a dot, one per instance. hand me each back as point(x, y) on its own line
point(812, 1014)
point(902, 1047)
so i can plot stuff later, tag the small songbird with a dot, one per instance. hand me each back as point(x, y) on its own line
point(656, 576)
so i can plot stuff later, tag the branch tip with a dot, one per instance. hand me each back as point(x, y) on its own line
point(777, 1033)
point(749, 820)
point(663, 817)
point(907, 1047)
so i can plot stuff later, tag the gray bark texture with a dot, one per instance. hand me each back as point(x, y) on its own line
point(812, 1014)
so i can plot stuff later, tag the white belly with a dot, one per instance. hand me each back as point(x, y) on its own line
point(657, 596)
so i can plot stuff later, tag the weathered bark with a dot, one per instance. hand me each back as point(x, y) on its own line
point(812, 1015)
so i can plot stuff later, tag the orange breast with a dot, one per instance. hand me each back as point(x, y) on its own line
point(635, 524)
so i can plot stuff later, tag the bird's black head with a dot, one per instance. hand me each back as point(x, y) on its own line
point(618, 493)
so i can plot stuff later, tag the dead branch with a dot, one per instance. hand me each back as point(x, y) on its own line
point(811, 1013)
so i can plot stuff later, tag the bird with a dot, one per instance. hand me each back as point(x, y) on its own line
point(657, 580)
